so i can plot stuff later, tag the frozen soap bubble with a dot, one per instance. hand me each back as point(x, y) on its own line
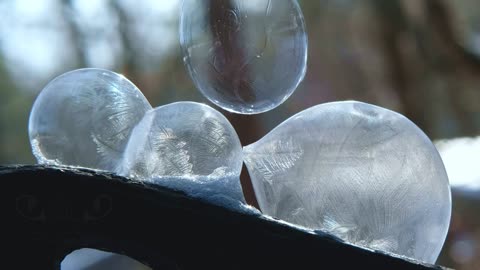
point(363, 173)
point(245, 56)
point(183, 143)
point(84, 118)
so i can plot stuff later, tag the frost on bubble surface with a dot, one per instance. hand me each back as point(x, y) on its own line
point(84, 118)
point(363, 173)
point(245, 56)
point(187, 146)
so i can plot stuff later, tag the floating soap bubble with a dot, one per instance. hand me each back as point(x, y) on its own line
point(363, 173)
point(245, 56)
point(184, 143)
point(84, 118)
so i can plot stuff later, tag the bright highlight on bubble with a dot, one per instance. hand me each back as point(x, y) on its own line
point(245, 57)
point(363, 173)
point(84, 118)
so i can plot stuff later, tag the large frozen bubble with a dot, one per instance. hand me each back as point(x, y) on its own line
point(84, 118)
point(363, 173)
point(186, 145)
point(244, 56)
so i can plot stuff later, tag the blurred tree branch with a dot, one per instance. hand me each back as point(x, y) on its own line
point(438, 57)
point(75, 33)
point(129, 67)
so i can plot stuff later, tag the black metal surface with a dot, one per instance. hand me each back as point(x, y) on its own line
point(50, 211)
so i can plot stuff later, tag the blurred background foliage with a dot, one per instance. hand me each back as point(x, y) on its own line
point(418, 57)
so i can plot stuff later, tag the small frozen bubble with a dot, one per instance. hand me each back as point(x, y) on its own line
point(182, 139)
point(244, 56)
point(84, 118)
point(188, 142)
point(363, 173)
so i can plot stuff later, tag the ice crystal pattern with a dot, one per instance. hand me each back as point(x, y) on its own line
point(183, 139)
point(363, 173)
point(84, 118)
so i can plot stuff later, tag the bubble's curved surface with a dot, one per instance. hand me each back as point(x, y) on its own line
point(244, 56)
point(84, 118)
point(361, 172)
point(183, 139)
